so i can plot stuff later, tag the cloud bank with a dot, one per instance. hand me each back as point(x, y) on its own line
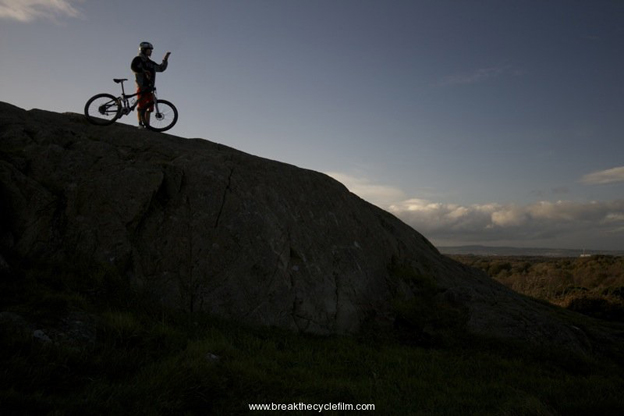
point(30, 10)
point(493, 222)
point(562, 224)
point(604, 176)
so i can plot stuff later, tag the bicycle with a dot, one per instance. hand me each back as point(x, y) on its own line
point(104, 109)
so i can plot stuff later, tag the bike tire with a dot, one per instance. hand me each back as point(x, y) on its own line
point(165, 118)
point(103, 109)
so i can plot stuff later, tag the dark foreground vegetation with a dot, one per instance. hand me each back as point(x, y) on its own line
point(83, 342)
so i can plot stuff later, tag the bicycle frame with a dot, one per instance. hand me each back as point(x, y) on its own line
point(127, 108)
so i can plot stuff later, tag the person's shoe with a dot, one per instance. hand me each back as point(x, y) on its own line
point(141, 126)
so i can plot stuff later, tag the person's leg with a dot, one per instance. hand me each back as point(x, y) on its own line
point(141, 107)
point(149, 106)
point(146, 116)
point(144, 107)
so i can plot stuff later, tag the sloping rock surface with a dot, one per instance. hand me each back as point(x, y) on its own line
point(205, 227)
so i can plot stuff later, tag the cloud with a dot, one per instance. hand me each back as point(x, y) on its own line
point(510, 222)
point(604, 176)
point(559, 190)
point(559, 223)
point(479, 75)
point(30, 10)
point(381, 195)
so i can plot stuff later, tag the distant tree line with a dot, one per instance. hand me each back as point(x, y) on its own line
point(590, 285)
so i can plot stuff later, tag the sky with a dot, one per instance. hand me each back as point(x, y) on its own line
point(487, 122)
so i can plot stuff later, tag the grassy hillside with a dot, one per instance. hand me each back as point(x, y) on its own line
point(591, 285)
point(104, 348)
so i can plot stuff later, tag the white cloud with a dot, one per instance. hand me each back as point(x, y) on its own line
point(510, 222)
point(30, 10)
point(560, 223)
point(604, 176)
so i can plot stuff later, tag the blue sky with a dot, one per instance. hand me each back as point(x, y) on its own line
point(476, 122)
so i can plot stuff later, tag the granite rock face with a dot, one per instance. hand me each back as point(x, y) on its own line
point(205, 227)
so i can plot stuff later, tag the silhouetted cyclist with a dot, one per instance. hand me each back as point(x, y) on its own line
point(145, 75)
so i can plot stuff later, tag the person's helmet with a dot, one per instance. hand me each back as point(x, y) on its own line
point(145, 45)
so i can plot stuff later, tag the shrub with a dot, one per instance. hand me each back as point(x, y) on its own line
point(607, 308)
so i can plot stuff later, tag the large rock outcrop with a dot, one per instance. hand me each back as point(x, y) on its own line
point(206, 227)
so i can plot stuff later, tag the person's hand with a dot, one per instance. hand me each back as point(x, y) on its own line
point(166, 56)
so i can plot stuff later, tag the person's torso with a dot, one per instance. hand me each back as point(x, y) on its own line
point(140, 65)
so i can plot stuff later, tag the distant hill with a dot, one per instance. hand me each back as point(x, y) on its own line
point(518, 251)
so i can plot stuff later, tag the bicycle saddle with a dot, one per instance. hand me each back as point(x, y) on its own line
point(118, 80)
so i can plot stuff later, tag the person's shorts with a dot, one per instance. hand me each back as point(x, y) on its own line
point(145, 100)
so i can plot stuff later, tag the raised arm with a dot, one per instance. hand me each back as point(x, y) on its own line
point(163, 65)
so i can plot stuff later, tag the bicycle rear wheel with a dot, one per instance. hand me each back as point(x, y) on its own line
point(163, 119)
point(102, 109)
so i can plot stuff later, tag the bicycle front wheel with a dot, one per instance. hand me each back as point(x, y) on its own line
point(103, 109)
point(164, 118)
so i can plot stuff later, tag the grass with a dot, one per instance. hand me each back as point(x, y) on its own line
point(153, 361)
